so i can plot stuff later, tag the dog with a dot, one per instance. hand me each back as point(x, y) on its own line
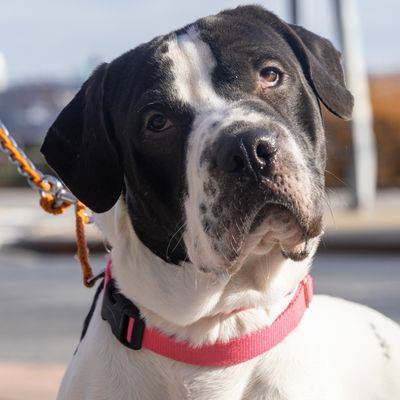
point(202, 155)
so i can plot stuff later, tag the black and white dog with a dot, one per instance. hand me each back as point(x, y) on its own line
point(202, 154)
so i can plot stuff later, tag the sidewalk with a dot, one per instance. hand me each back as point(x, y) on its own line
point(378, 230)
point(24, 224)
point(37, 381)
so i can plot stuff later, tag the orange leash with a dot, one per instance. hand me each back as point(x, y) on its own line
point(54, 198)
point(81, 219)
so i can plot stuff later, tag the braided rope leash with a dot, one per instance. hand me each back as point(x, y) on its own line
point(54, 198)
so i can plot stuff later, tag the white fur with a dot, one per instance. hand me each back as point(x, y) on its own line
point(332, 355)
point(193, 63)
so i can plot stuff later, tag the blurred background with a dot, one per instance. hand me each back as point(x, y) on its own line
point(49, 48)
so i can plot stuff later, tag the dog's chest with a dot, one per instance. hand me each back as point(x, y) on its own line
point(240, 382)
point(247, 381)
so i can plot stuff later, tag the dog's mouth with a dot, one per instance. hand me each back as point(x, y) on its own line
point(279, 222)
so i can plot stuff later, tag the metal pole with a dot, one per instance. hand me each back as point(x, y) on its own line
point(294, 11)
point(364, 168)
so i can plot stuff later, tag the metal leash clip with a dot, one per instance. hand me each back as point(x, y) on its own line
point(58, 191)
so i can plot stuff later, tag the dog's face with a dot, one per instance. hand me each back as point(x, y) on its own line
point(214, 136)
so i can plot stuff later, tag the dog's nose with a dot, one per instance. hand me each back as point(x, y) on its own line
point(249, 151)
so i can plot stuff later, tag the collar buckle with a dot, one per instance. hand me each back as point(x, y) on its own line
point(132, 329)
point(123, 317)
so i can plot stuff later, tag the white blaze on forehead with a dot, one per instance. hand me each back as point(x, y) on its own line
point(192, 67)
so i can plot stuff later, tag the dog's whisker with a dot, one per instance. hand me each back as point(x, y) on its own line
point(337, 178)
point(326, 200)
point(183, 225)
point(177, 243)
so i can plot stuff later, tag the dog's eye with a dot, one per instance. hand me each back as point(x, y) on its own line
point(158, 122)
point(270, 76)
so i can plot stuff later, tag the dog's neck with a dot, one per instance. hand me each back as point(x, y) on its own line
point(193, 305)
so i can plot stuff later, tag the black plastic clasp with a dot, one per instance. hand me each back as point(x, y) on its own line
point(137, 330)
point(117, 310)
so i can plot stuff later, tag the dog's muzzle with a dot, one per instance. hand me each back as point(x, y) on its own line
point(256, 189)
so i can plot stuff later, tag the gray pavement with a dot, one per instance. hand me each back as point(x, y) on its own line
point(42, 301)
point(42, 306)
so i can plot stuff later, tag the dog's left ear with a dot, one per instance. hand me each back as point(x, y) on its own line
point(81, 148)
point(321, 62)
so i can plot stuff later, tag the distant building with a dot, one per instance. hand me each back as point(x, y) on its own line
point(29, 109)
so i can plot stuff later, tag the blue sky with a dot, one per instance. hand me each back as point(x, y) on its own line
point(56, 39)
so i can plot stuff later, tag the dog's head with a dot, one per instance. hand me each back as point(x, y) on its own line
point(214, 136)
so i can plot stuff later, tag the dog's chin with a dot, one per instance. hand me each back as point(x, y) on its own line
point(273, 227)
point(279, 227)
point(283, 226)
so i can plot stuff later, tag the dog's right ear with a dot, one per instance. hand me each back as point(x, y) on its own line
point(81, 148)
point(321, 62)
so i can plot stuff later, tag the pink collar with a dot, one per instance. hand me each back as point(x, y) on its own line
point(129, 328)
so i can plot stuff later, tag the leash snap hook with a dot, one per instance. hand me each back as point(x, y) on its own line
point(58, 191)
